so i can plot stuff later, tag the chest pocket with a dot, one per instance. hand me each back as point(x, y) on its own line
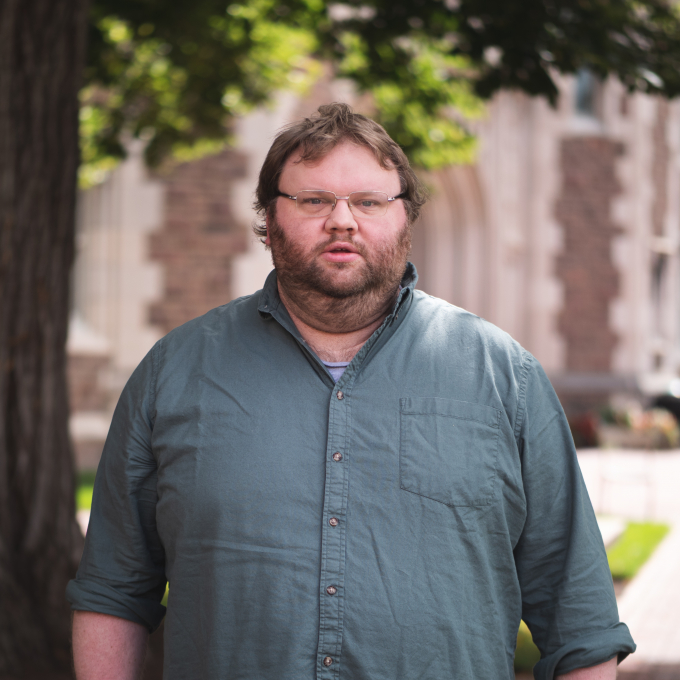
point(448, 450)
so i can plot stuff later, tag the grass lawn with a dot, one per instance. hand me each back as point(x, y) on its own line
point(634, 547)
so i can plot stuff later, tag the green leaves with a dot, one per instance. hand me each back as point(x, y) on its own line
point(176, 73)
point(540, 37)
point(515, 44)
point(422, 94)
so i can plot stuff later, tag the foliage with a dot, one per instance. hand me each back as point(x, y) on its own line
point(634, 548)
point(177, 72)
point(420, 81)
point(521, 44)
point(482, 46)
point(84, 489)
point(526, 653)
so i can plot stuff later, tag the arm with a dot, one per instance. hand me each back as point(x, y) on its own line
point(122, 570)
point(107, 647)
point(568, 601)
point(605, 671)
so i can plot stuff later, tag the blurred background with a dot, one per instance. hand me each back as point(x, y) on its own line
point(547, 133)
point(562, 229)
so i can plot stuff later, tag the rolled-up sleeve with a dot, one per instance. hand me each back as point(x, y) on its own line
point(122, 571)
point(568, 598)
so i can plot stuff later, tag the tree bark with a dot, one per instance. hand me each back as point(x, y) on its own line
point(41, 64)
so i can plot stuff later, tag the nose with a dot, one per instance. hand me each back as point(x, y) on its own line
point(341, 218)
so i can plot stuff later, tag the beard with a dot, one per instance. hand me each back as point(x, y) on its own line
point(325, 299)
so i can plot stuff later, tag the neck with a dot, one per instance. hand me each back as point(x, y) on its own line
point(334, 337)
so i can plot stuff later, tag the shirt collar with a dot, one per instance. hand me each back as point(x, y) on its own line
point(408, 283)
point(269, 295)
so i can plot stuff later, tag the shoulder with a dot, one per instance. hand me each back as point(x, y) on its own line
point(477, 360)
point(218, 330)
point(239, 312)
point(441, 322)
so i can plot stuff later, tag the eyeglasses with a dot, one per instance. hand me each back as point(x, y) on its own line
point(321, 203)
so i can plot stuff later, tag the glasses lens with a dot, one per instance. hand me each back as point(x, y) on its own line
point(368, 202)
point(315, 202)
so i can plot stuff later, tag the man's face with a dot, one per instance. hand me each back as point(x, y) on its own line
point(341, 254)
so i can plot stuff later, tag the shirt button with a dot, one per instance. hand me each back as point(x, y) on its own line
point(327, 661)
point(337, 456)
point(339, 395)
point(333, 521)
point(331, 590)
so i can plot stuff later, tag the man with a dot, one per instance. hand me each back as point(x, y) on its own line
point(340, 476)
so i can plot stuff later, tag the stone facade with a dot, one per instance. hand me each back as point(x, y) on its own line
point(565, 233)
point(89, 363)
point(86, 393)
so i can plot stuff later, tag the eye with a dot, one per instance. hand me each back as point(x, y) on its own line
point(313, 200)
point(369, 202)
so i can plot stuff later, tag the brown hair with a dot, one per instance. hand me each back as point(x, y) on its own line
point(316, 136)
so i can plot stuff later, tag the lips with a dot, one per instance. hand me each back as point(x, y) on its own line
point(340, 247)
point(340, 252)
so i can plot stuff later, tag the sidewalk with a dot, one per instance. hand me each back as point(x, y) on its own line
point(643, 485)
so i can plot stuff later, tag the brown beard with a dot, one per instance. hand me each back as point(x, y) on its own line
point(327, 305)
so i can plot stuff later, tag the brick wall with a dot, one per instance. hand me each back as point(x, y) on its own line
point(198, 239)
point(585, 267)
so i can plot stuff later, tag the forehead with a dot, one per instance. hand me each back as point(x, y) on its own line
point(346, 168)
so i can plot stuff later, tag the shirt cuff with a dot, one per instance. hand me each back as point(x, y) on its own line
point(94, 596)
point(589, 650)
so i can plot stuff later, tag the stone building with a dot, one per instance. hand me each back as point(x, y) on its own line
point(564, 233)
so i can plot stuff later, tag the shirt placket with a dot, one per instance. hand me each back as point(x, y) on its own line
point(334, 531)
point(334, 535)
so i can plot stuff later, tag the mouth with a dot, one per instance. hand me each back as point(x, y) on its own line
point(340, 252)
point(340, 248)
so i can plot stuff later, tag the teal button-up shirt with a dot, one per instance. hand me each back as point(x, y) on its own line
point(394, 525)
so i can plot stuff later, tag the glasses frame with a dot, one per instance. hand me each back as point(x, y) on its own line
point(390, 199)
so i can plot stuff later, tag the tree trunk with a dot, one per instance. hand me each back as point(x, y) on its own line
point(41, 63)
